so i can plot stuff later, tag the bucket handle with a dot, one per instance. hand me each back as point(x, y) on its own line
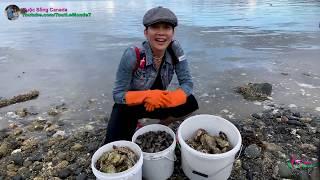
point(157, 158)
point(217, 172)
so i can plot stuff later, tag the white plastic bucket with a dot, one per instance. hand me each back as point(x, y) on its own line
point(134, 173)
point(159, 165)
point(197, 165)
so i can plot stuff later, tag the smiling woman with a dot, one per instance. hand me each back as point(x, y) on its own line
point(143, 76)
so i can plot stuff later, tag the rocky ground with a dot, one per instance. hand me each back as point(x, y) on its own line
point(42, 149)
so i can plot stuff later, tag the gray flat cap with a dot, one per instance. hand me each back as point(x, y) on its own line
point(159, 14)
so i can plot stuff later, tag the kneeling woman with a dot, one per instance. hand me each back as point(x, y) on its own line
point(145, 73)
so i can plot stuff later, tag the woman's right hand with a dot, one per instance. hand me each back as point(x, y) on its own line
point(156, 99)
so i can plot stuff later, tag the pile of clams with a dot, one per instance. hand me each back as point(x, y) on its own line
point(154, 141)
point(117, 160)
point(208, 144)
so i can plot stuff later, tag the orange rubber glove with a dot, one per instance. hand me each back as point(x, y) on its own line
point(135, 97)
point(149, 107)
point(177, 97)
point(156, 98)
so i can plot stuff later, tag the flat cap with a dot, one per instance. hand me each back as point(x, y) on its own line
point(160, 14)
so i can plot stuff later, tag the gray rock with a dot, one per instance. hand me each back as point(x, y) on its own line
point(263, 88)
point(293, 118)
point(64, 173)
point(24, 172)
point(37, 156)
point(257, 115)
point(252, 151)
point(296, 114)
point(272, 147)
point(18, 177)
point(295, 122)
point(37, 166)
point(4, 149)
point(284, 171)
point(27, 163)
point(81, 176)
point(76, 147)
point(309, 147)
point(17, 158)
point(306, 119)
point(255, 91)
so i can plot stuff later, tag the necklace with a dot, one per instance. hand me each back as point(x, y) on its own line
point(158, 58)
point(157, 61)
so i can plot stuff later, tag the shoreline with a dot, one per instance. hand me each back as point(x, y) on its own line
point(46, 147)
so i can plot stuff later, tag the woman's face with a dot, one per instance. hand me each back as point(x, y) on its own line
point(159, 36)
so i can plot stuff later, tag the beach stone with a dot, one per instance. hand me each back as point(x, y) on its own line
point(53, 112)
point(78, 171)
point(296, 114)
point(62, 155)
point(62, 164)
point(255, 91)
point(309, 147)
point(305, 119)
point(24, 172)
point(17, 158)
point(252, 151)
point(27, 163)
point(22, 112)
point(76, 147)
point(81, 176)
point(59, 134)
point(64, 173)
point(295, 122)
point(284, 119)
point(272, 146)
point(284, 171)
point(36, 156)
point(18, 177)
point(12, 167)
point(257, 115)
point(37, 166)
point(17, 131)
point(4, 149)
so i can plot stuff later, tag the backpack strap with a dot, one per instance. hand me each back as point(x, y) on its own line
point(141, 56)
point(175, 59)
point(136, 49)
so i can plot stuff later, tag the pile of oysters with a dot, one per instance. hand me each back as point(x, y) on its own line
point(203, 142)
point(154, 141)
point(117, 160)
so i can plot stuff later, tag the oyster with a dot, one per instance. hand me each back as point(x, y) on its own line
point(206, 143)
point(154, 141)
point(117, 160)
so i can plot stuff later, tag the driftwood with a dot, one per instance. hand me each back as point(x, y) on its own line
point(20, 98)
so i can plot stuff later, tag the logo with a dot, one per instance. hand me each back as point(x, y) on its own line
point(12, 12)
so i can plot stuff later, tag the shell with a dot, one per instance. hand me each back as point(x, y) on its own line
point(117, 160)
point(203, 142)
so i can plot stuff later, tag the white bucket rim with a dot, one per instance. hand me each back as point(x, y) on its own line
point(233, 151)
point(119, 174)
point(160, 153)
